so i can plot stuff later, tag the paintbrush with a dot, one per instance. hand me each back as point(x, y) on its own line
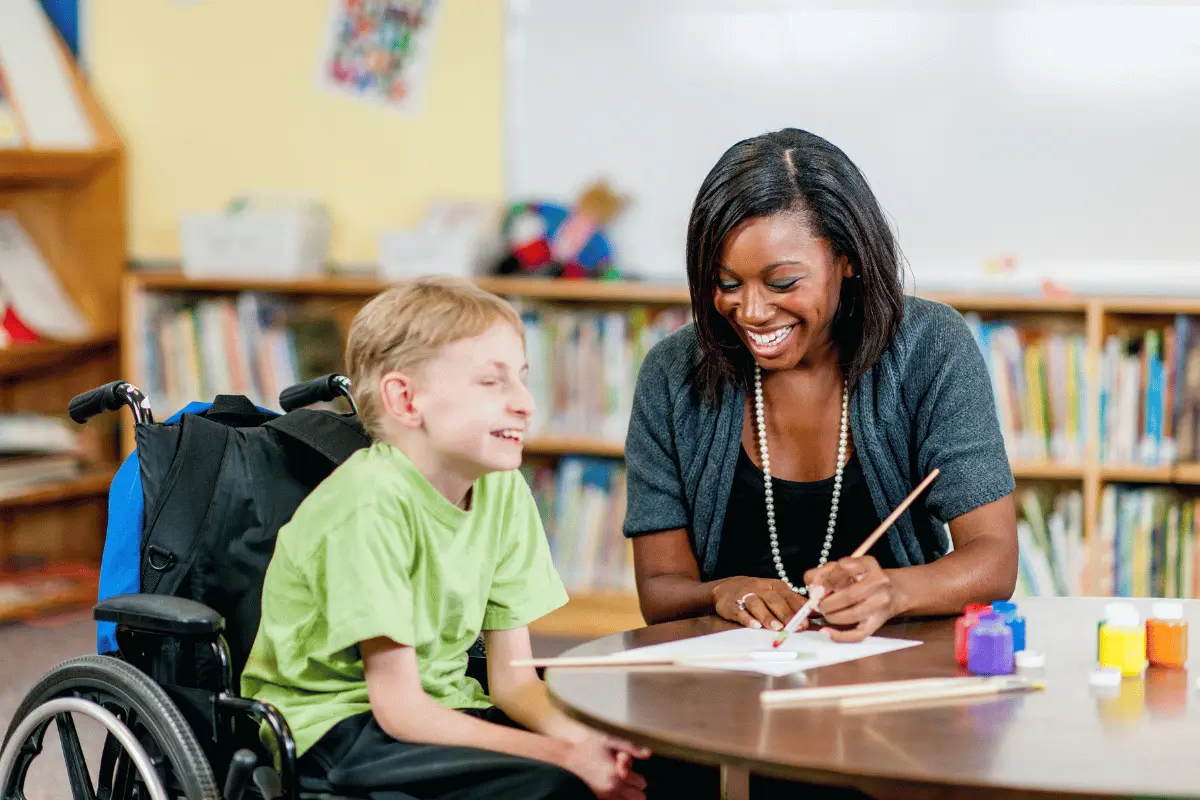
point(817, 593)
point(990, 686)
point(642, 659)
point(826, 694)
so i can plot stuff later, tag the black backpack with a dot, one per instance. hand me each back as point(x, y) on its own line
point(217, 487)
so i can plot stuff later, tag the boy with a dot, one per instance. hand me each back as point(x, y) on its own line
point(391, 567)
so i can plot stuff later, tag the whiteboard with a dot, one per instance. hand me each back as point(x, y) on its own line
point(1058, 132)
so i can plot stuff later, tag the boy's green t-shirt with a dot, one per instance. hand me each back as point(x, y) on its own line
point(374, 551)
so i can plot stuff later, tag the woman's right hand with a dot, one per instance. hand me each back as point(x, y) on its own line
point(770, 603)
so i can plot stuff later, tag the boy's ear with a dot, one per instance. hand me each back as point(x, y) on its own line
point(396, 399)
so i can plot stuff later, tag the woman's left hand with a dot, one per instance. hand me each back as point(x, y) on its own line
point(859, 597)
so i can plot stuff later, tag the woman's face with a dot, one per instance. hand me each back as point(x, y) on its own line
point(778, 284)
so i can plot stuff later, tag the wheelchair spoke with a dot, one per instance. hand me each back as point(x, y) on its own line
point(123, 784)
point(77, 769)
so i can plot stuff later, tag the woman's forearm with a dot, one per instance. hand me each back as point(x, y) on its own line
point(668, 597)
point(980, 571)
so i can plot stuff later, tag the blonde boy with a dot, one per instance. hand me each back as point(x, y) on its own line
point(393, 565)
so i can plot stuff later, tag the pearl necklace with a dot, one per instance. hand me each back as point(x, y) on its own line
point(770, 494)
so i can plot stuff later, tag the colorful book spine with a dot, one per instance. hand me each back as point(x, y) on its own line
point(582, 505)
point(1146, 543)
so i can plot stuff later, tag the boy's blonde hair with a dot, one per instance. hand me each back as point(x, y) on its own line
point(403, 327)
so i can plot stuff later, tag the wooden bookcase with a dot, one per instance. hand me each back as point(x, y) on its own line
point(602, 613)
point(72, 205)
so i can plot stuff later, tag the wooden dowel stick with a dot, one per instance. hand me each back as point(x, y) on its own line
point(618, 659)
point(821, 694)
point(902, 698)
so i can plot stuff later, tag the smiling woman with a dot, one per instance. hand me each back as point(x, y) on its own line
point(810, 396)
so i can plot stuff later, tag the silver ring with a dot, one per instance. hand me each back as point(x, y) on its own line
point(741, 604)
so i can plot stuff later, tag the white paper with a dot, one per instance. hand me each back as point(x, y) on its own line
point(816, 649)
point(42, 87)
point(34, 290)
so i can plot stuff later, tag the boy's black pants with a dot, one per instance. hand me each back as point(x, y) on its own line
point(358, 759)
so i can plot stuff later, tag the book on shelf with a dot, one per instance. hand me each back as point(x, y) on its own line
point(582, 505)
point(583, 364)
point(1040, 386)
point(10, 130)
point(21, 473)
point(39, 83)
point(251, 344)
point(1150, 395)
point(1146, 543)
point(37, 449)
point(1051, 554)
point(33, 302)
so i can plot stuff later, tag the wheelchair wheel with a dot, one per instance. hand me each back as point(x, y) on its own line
point(157, 748)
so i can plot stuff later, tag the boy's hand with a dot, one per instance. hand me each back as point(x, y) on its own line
point(602, 762)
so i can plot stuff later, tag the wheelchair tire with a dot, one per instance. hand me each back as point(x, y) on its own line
point(108, 680)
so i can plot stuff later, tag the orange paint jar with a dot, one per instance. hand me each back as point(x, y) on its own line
point(1167, 636)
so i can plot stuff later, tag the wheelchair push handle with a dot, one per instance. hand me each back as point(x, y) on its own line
point(317, 390)
point(110, 397)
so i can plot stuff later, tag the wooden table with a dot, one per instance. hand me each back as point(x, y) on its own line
point(1070, 739)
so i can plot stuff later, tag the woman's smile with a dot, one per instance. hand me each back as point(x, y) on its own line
point(768, 344)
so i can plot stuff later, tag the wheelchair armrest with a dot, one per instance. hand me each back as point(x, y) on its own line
point(158, 613)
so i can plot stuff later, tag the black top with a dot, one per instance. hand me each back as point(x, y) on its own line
point(801, 519)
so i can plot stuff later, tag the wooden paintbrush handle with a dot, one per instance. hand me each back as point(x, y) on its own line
point(782, 697)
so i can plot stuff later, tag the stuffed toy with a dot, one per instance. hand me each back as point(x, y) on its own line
point(550, 240)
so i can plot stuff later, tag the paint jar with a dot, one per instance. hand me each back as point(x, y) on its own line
point(1015, 621)
point(1122, 639)
point(962, 627)
point(990, 646)
point(1167, 636)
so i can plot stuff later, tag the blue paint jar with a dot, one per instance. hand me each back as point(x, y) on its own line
point(1014, 621)
point(990, 651)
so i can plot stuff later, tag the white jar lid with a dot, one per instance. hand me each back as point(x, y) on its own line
point(1105, 676)
point(1167, 610)
point(1030, 659)
point(1121, 615)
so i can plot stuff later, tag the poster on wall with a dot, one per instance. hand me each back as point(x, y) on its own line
point(378, 51)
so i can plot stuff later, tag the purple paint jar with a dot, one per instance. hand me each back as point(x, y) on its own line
point(990, 651)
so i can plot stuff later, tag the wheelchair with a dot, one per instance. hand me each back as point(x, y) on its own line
point(167, 695)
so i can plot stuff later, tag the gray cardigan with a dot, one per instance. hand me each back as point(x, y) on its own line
point(927, 402)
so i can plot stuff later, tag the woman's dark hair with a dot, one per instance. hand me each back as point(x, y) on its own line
point(798, 172)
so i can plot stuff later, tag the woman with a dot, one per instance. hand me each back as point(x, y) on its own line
point(811, 395)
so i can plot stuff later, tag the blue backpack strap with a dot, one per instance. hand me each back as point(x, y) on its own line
point(122, 544)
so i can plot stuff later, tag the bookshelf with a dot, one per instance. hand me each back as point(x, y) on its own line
point(71, 205)
point(601, 612)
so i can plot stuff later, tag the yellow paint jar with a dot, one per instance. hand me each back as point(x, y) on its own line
point(1122, 642)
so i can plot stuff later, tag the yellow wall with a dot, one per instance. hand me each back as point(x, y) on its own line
point(217, 97)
